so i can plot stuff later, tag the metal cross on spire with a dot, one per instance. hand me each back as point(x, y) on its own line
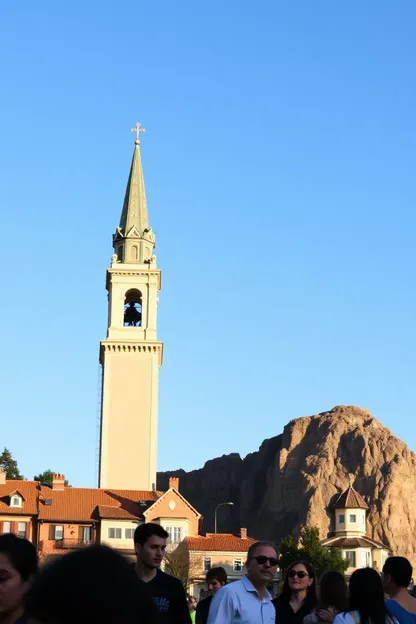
point(137, 129)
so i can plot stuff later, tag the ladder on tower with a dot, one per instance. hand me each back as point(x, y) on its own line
point(98, 424)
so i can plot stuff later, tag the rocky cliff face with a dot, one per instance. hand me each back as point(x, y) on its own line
point(293, 478)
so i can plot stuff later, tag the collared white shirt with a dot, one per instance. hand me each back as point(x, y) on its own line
point(239, 603)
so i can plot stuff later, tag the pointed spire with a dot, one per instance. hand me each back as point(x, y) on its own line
point(134, 212)
point(134, 239)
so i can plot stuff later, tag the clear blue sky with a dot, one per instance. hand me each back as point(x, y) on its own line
point(280, 172)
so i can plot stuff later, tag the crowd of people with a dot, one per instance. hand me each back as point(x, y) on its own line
point(99, 585)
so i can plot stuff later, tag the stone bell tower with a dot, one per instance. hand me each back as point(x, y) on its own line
point(131, 354)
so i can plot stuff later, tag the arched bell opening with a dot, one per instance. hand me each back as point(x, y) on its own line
point(133, 308)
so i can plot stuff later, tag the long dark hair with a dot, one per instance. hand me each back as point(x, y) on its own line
point(367, 596)
point(287, 592)
point(333, 591)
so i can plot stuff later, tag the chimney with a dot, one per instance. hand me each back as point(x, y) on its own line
point(243, 533)
point(2, 476)
point(174, 483)
point(58, 482)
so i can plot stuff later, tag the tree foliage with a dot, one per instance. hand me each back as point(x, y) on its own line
point(46, 478)
point(181, 563)
point(10, 465)
point(310, 549)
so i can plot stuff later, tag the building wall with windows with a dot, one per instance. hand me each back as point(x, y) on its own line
point(118, 534)
point(358, 558)
point(215, 550)
point(352, 521)
point(56, 538)
point(172, 510)
point(23, 526)
point(232, 562)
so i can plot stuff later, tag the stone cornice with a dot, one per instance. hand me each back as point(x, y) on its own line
point(149, 274)
point(131, 348)
point(134, 272)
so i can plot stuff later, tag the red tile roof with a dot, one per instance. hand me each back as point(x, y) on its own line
point(225, 542)
point(75, 504)
point(83, 504)
point(107, 513)
point(27, 489)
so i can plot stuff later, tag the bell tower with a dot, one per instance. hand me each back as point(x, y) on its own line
point(131, 354)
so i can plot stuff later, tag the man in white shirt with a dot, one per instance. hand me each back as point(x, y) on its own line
point(247, 601)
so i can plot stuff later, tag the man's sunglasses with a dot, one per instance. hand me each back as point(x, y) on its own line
point(299, 573)
point(261, 559)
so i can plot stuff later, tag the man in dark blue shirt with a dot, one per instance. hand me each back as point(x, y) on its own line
point(167, 591)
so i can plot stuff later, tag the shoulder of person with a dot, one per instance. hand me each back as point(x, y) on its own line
point(168, 579)
point(311, 618)
point(228, 590)
point(348, 617)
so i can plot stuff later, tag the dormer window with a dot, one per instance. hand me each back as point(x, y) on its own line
point(15, 500)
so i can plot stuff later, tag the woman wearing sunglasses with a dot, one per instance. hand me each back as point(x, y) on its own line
point(298, 597)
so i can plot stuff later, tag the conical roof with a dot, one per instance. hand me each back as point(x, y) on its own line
point(134, 213)
point(350, 499)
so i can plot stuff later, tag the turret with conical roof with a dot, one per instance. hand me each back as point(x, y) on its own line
point(134, 240)
point(350, 512)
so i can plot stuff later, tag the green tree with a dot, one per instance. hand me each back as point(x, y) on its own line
point(310, 549)
point(46, 478)
point(10, 465)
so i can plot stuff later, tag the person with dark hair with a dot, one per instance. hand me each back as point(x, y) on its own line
point(215, 579)
point(94, 584)
point(18, 566)
point(397, 576)
point(167, 591)
point(333, 598)
point(366, 600)
point(248, 600)
point(298, 597)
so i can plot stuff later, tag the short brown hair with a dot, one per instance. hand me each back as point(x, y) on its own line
point(218, 574)
point(144, 531)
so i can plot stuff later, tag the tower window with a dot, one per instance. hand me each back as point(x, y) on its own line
point(133, 308)
point(134, 253)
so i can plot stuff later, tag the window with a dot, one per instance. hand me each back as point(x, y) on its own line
point(341, 518)
point(350, 555)
point(133, 308)
point(175, 534)
point(129, 533)
point(237, 565)
point(21, 529)
point(365, 559)
point(114, 533)
point(353, 518)
point(7, 527)
point(85, 534)
point(16, 501)
point(362, 519)
point(207, 564)
point(58, 532)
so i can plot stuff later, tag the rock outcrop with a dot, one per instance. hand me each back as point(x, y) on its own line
point(292, 479)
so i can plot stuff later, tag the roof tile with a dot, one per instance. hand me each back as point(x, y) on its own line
point(225, 542)
point(350, 499)
point(74, 504)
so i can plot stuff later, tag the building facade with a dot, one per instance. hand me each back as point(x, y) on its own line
point(350, 534)
point(216, 550)
point(131, 354)
point(58, 519)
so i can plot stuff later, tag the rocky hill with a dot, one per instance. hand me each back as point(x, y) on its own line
point(292, 478)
